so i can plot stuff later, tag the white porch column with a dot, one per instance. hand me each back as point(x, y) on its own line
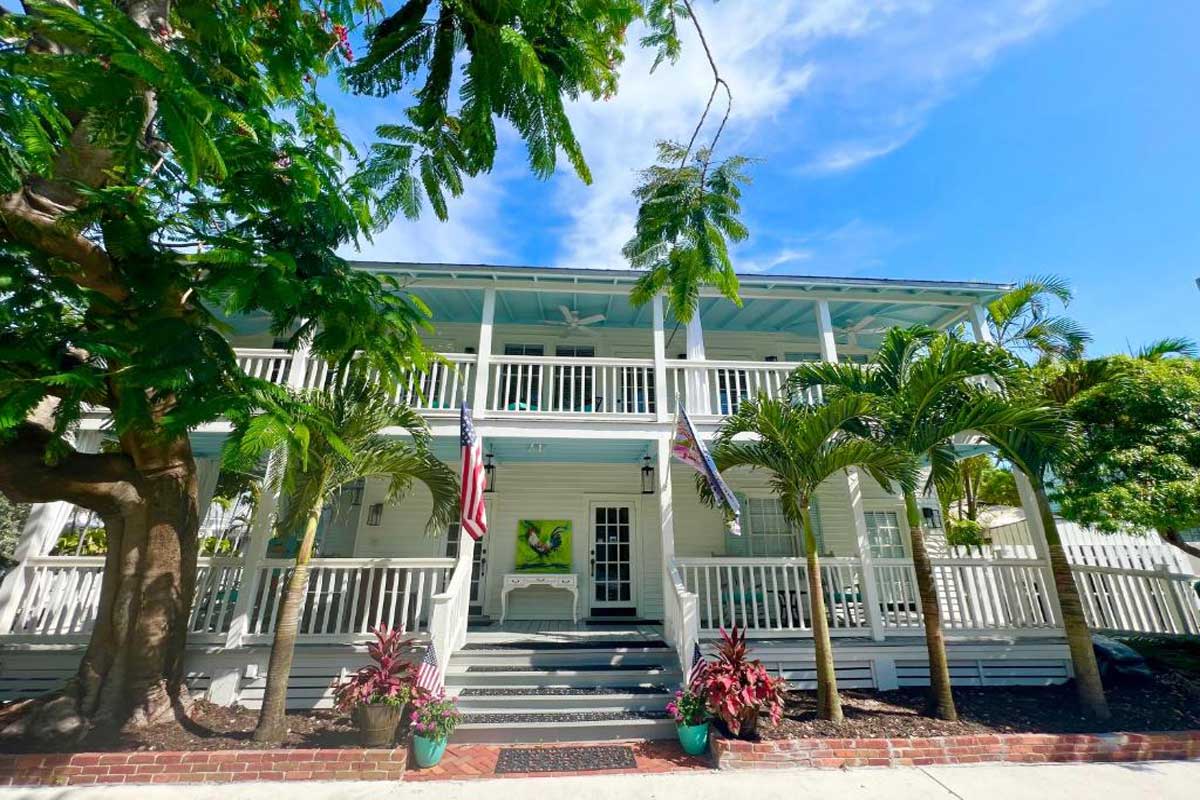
point(1037, 534)
point(483, 355)
point(208, 471)
point(979, 324)
point(43, 526)
point(825, 333)
point(854, 479)
point(256, 550)
point(666, 522)
point(661, 393)
point(697, 382)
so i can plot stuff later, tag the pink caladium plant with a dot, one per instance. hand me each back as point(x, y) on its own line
point(388, 680)
point(738, 689)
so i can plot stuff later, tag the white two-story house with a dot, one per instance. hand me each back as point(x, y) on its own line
point(575, 394)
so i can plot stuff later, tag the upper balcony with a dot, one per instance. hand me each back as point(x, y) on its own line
point(522, 343)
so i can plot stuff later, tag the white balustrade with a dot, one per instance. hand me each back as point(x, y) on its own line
point(451, 609)
point(573, 386)
point(273, 366)
point(59, 596)
point(442, 385)
point(770, 595)
point(218, 581)
point(718, 387)
point(974, 594)
point(346, 597)
point(681, 617)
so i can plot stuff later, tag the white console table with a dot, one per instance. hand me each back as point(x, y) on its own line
point(521, 580)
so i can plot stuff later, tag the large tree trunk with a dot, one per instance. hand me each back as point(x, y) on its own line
point(1079, 637)
point(272, 718)
point(941, 698)
point(131, 673)
point(829, 703)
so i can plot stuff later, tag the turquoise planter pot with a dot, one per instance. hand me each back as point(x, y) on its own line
point(694, 738)
point(428, 752)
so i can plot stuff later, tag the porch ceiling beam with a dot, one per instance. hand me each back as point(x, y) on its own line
point(946, 320)
point(835, 294)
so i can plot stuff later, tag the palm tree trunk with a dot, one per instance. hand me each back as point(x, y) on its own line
point(272, 721)
point(1079, 637)
point(829, 704)
point(941, 698)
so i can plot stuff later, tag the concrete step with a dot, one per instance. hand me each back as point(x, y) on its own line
point(541, 701)
point(563, 727)
point(562, 658)
point(563, 677)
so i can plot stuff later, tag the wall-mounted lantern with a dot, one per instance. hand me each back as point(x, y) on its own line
point(647, 476)
point(489, 474)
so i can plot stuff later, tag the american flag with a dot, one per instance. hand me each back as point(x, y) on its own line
point(427, 673)
point(699, 667)
point(474, 517)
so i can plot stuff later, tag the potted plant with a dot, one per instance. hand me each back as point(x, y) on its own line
point(377, 694)
point(738, 689)
point(690, 712)
point(433, 719)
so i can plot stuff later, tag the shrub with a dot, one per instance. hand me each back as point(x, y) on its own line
point(964, 533)
point(688, 707)
point(738, 689)
point(388, 680)
point(434, 717)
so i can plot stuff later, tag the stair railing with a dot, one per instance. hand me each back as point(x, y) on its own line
point(451, 608)
point(682, 618)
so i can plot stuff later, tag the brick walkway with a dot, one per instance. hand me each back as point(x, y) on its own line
point(468, 761)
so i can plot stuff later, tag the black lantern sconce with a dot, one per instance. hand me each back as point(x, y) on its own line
point(647, 476)
point(489, 474)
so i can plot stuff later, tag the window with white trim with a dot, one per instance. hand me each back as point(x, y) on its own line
point(766, 529)
point(884, 535)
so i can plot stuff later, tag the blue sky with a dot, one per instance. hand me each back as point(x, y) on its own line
point(990, 139)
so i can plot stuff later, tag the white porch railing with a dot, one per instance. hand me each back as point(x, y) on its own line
point(273, 366)
point(59, 596)
point(681, 617)
point(451, 608)
point(622, 387)
point(441, 386)
point(770, 595)
point(975, 595)
point(347, 597)
point(718, 387)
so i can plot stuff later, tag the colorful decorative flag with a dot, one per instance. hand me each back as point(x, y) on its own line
point(689, 449)
point(427, 673)
point(474, 478)
point(699, 667)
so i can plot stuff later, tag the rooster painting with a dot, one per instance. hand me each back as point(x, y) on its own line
point(548, 552)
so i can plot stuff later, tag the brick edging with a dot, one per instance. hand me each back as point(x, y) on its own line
point(732, 754)
point(201, 766)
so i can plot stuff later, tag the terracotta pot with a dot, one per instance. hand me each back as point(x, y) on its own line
point(377, 723)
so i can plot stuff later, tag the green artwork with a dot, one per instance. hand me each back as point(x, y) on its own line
point(544, 545)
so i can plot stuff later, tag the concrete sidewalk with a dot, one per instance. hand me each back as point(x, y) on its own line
point(1158, 780)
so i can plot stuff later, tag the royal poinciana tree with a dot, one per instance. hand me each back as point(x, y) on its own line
point(167, 165)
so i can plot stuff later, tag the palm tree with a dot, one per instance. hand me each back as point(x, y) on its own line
point(925, 393)
point(320, 442)
point(1033, 457)
point(801, 446)
point(1021, 320)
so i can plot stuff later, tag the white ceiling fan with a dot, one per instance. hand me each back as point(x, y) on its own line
point(862, 326)
point(573, 323)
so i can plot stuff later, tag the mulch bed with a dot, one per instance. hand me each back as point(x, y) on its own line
point(1169, 702)
point(211, 727)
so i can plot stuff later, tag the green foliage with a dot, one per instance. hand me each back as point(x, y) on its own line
point(964, 533)
point(799, 446)
point(321, 441)
point(980, 481)
point(95, 542)
point(925, 391)
point(688, 209)
point(1137, 460)
point(206, 183)
point(518, 60)
point(1022, 320)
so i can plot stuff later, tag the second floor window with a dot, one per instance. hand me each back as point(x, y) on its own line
point(574, 384)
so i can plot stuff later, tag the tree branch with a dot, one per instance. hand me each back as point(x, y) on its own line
point(1173, 538)
point(718, 83)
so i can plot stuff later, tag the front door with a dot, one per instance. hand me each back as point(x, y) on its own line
point(478, 565)
point(612, 592)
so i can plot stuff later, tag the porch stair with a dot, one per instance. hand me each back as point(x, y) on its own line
point(563, 689)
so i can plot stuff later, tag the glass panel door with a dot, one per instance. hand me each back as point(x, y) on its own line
point(611, 556)
point(521, 384)
point(574, 384)
point(478, 565)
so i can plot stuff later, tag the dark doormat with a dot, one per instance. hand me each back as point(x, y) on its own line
point(564, 759)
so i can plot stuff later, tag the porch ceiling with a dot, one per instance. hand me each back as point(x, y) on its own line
point(529, 450)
